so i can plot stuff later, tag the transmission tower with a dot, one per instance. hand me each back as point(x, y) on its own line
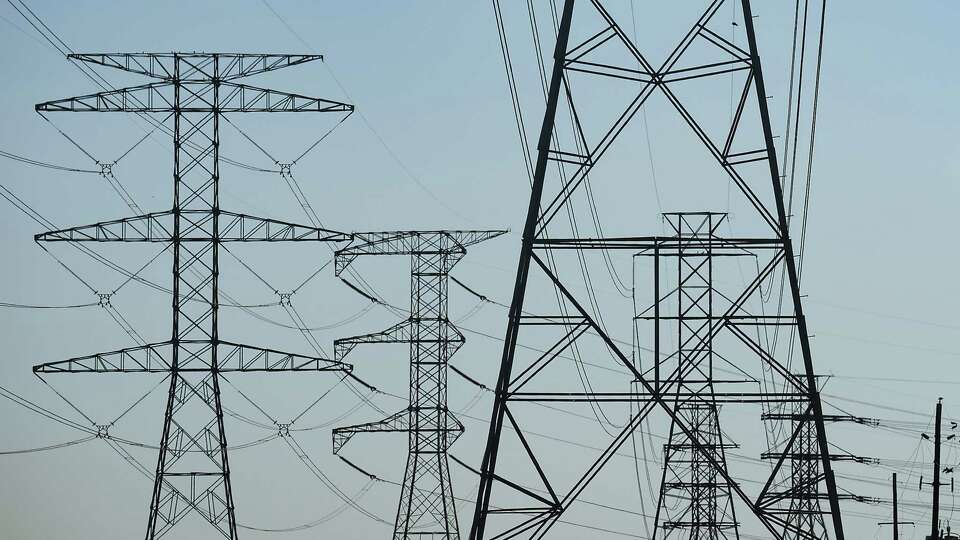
point(695, 499)
point(426, 508)
point(525, 496)
point(195, 90)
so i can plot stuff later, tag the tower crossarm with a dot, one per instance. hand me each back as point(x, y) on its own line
point(407, 242)
point(201, 65)
point(195, 225)
point(396, 423)
point(402, 332)
point(667, 245)
point(194, 356)
point(195, 97)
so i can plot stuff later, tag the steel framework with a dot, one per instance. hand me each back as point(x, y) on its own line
point(195, 90)
point(695, 499)
point(680, 382)
point(426, 508)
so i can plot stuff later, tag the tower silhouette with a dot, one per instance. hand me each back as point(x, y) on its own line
point(528, 494)
point(695, 499)
point(426, 508)
point(195, 90)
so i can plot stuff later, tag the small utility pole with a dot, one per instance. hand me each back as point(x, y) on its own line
point(896, 520)
point(896, 517)
point(935, 526)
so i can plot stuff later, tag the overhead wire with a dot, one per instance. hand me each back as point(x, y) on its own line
point(47, 448)
point(366, 121)
point(38, 163)
point(65, 50)
point(46, 306)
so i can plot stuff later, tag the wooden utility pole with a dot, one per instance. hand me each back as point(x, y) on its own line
point(935, 518)
point(896, 516)
point(896, 520)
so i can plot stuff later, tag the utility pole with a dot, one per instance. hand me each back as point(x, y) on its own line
point(896, 518)
point(427, 506)
point(935, 525)
point(195, 91)
point(896, 523)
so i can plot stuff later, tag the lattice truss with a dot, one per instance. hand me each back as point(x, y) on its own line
point(711, 334)
point(194, 91)
point(426, 509)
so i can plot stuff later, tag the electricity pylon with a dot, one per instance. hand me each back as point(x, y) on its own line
point(426, 508)
point(196, 90)
point(695, 498)
point(528, 495)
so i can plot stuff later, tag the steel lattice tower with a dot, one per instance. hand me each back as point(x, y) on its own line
point(196, 90)
point(532, 498)
point(695, 499)
point(426, 508)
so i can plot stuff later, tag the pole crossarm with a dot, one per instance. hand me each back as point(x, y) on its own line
point(195, 226)
point(194, 97)
point(200, 66)
point(194, 356)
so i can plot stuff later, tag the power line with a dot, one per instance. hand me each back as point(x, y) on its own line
point(368, 124)
point(38, 163)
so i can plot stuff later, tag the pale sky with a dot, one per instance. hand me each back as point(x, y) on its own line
point(436, 147)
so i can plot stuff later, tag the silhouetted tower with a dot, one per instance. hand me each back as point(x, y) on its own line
point(695, 499)
point(426, 508)
point(195, 90)
point(527, 495)
point(805, 511)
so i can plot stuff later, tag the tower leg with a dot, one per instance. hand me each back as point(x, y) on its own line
point(193, 473)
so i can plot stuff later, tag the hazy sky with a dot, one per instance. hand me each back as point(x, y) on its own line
point(879, 270)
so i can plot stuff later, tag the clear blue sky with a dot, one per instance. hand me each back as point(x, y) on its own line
point(880, 266)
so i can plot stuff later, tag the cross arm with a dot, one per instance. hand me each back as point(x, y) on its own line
point(195, 225)
point(193, 356)
point(398, 422)
point(194, 97)
point(152, 97)
point(409, 242)
point(402, 332)
point(245, 98)
point(195, 66)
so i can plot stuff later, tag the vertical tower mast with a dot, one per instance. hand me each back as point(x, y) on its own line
point(196, 89)
point(695, 500)
point(743, 151)
point(426, 508)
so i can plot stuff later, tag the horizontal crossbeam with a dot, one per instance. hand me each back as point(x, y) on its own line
point(193, 356)
point(195, 226)
point(200, 66)
point(397, 423)
point(634, 397)
point(410, 242)
point(402, 332)
point(667, 245)
point(194, 97)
